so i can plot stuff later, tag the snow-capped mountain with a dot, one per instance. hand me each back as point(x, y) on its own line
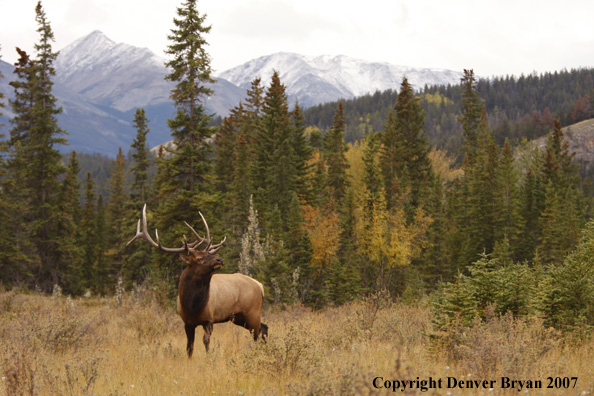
point(124, 77)
point(100, 84)
point(120, 76)
point(314, 80)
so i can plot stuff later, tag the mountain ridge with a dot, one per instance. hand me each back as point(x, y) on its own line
point(335, 76)
point(99, 83)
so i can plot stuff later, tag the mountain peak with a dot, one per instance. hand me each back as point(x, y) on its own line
point(327, 78)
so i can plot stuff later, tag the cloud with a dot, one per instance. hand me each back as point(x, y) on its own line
point(274, 20)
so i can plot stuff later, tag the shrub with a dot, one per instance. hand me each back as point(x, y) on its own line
point(568, 300)
point(500, 344)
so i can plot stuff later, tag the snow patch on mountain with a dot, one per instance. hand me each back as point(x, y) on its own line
point(325, 78)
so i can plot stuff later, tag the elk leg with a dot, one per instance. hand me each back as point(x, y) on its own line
point(264, 331)
point(207, 332)
point(239, 320)
point(190, 333)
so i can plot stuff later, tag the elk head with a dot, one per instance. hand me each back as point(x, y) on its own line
point(201, 260)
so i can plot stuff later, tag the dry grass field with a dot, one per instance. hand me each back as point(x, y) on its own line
point(62, 346)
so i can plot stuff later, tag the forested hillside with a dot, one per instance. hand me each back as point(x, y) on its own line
point(517, 108)
point(369, 203)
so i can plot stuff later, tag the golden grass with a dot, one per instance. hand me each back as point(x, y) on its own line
point(59, 346)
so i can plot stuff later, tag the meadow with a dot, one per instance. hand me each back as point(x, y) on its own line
point(95, 346)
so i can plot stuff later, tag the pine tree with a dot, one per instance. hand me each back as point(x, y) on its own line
point(404, 153)
point(116, 215)
point(68, 237)
point(36, 163)
point(103, 266)
point(88, 234)
point(299, 246)
point(225, 144)
point(187, 188)
point(274, 172)
point(303, 153)
point(139, 194)
point(562, 217)
point(344, 281)
point(189, 162)
point(139, 256)
point(472, 108)
point(334, 157)
point(569, 297)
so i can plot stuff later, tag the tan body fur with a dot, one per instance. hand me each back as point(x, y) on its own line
point(229, 295)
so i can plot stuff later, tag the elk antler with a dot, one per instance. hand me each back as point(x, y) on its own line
point(145, 235)
point(210, 248)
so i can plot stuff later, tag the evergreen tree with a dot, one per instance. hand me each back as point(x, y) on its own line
point(68, 237)
point(344, 281)
point(117, 232)
point(103, 266)
point(136, 263)
point(481, 205)
point(508, 222)
point(274, 172)
point(334, 158)
point(569, 297)
point(299, 247)
point(88, 234)
point(36, 163)
point(189, 164)
point(472, 108)
point(16, 252)
point(562, 216)
point(225, 144)
point(139, 194)
point(404, 159)
point(187, 188)
point(303, 153)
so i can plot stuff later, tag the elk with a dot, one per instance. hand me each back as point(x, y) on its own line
point(205, 298)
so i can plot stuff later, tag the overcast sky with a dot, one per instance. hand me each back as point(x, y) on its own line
point(492, 37)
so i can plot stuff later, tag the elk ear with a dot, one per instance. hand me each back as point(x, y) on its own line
point(186, 258)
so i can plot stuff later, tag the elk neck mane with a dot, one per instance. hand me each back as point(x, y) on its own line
point(194, 293)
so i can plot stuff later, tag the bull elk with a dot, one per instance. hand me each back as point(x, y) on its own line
point(205, 298)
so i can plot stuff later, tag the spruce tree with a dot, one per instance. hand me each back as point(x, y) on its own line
point(225, 145)
point(189, 162)
point(508, 221)
point(68, 237)
point(36, 162)
point(472, 108)
point(103, 267)
point(187, 187)
point(404, 159)
point(274, 172)
point(16, 252)
point(562, 216)
point(337, 181)
point(303, 153)
point(116, 218)
point(137, 261)
point(88, 234)
point(139, 194)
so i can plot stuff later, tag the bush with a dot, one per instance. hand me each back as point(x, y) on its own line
point(568, 301)
point(503, 288)
point(501, 345)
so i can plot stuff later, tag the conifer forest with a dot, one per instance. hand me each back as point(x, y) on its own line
point(435, 196)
